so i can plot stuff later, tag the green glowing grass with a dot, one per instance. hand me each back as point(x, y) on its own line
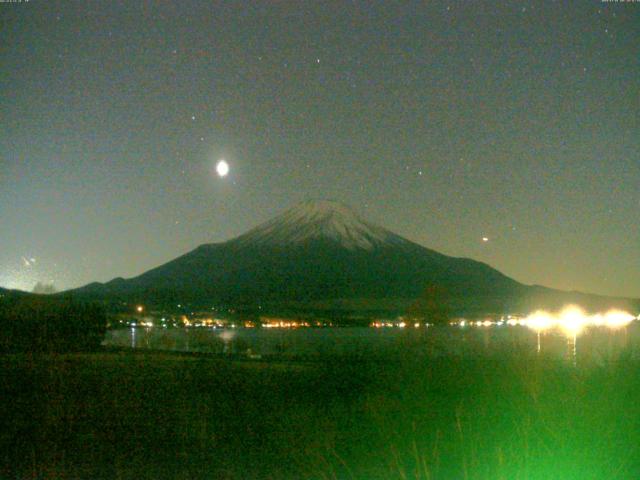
point(503, 416)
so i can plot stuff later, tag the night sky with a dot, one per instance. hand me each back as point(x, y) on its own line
point(445, 122)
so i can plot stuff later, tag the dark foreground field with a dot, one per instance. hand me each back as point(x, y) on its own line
point(135, 415)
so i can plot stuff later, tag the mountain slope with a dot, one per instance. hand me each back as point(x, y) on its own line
point(317, 253)
point(6, 293)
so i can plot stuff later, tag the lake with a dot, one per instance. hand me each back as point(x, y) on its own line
point(593, 344)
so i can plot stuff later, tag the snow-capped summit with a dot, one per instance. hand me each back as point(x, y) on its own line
point(319, 220)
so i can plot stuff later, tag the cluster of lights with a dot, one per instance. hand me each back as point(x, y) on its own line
point(384, 324)
point(400, 324)
point(285, 324)
point(479, 323)
point(205, 322)
point(571, 320)
point(267, 322)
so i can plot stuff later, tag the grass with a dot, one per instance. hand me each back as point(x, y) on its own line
point(153, 415)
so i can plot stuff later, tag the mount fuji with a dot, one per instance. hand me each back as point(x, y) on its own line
point(322, 255)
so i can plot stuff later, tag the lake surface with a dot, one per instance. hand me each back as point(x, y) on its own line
point(594, 344)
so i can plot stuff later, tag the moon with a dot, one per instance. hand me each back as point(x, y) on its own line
point(222, 168)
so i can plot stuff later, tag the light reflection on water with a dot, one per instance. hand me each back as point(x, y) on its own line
point(595, 344)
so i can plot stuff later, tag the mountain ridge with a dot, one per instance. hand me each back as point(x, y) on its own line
point(318, 253)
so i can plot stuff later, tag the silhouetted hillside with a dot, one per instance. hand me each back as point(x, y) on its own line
point(320, 253)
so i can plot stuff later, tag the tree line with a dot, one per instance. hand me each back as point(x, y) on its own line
point(36, 323)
